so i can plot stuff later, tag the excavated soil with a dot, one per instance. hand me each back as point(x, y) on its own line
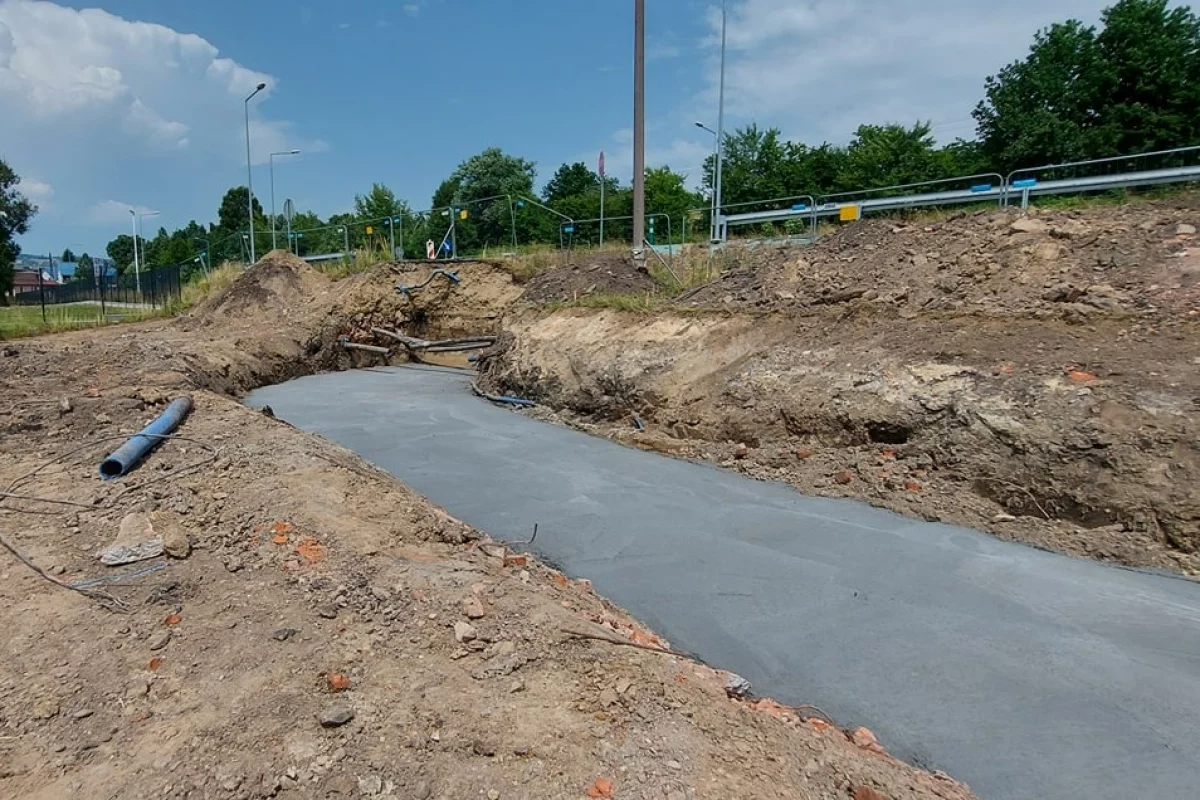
point(603, 273)
point(1033, 376)
point(318, 630)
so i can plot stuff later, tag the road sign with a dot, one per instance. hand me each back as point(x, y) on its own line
point(430, 249)
point(849, 213)
point(370, 230)
point(568, 228)
point(289, 210)
point(462, 214)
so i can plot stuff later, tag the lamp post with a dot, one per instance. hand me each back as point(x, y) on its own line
point(249, 172)
point(137, 277)
point(271, 160)
point(639, 131)
point(712, 215)
point(716, 222)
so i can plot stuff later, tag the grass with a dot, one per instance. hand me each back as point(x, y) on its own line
point(18, 321)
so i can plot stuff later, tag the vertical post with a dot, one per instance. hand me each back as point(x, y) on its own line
point(639, 131)
point(453, 238)
point(137, 272)
point(392, 236)
point(249, 171)
point(346, 240)
point(271, 161)
point(512, 220)
point(291, 245)
point(717, 232)
point(42, 290)
point(400, 217)
point(602, 209)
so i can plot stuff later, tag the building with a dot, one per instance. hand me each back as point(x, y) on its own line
point(26, 280)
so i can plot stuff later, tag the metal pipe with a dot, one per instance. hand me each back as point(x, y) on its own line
point(639, 130)
point(370, 348)
point(249, 172)
point(126, 457)
point(718, 233)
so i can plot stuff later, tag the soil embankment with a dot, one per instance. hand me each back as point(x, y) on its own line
point(1034, 376)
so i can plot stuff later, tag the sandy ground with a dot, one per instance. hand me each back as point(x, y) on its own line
point(316, 629)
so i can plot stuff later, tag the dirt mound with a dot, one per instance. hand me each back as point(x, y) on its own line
point(597, 273)
point(280, 284)
point(1077, 263)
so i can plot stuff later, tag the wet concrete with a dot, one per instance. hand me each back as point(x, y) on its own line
point(1024, 673)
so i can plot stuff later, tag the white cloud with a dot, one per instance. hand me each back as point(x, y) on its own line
point(114, 212)
point(819, 68)
point(38, 192)
point(96, 83)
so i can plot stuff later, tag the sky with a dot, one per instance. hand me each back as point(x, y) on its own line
point(139, 104)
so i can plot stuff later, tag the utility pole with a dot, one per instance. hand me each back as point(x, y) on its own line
point(250, 172)
point(717, 227)
point(639, 132)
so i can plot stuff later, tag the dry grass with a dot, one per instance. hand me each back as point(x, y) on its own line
point(21, 321)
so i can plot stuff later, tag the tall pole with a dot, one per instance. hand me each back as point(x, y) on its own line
point(137, 274)
point(392, 234)
point(250, 172)
point(601, 167)
point(639, 130)
point(716, 221)
point(271, 162)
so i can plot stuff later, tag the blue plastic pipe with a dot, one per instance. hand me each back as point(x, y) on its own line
point(126, 457)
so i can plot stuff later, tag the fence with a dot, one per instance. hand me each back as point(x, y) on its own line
point(148, 290)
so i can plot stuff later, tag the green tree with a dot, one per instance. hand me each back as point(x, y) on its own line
point(85, 269)
point(482, 186)
point(15, 213)
point(891, 155)
point(67, 257)
point(575, 180)
point(1132, 86)
point(120, 250)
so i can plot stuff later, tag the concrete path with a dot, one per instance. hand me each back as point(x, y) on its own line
point(1026, 674)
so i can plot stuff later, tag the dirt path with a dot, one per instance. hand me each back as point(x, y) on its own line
point(329, 633)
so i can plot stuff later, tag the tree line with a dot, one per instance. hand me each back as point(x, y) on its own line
point(1128, 85)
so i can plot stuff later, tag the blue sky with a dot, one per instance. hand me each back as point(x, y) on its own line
point(140, 104)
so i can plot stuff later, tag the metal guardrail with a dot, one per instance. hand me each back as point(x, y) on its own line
point(1001, 192)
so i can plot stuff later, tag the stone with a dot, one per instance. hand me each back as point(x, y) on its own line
point(493, 794)
point(464, 632)
point(1002, 517)
point(1029, 225)
point(174, 538)
point(45, 708)
point(674, 765)
point(499, 666)
point(1184, 229)
point(370, 786)
point(473, 608)
point(608, 698)
point(83, 713)
point(843, 477)
point(327, 611)
point(283, 634)
point(160, 639)
point(422, 791)
point(336, 716)
point(737, 686)
point(1048, 251)
point(481, 748)
point(64, 406)
point(234, 564)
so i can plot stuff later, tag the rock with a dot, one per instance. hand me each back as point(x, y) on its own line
point(481, 748)
point(737, 686)
point(64, 406)
point(1184, 229)
point(174, 538)
point(608, 698)
point(45, 708)
point(234, 564)
point(843, 477)
point(267, 411)
point(83, 713)
point(1002, 517)
point(493, 794)
point(283, 634)
point(1048, 251)
point(160, 639)
point(370, 786)
point(867, 793)
point(422, 791)
point(327, 611)
point(336, 716)
point(57, 569)
point(464, 632)
point(136, 541)
point(920, 261)
point(741, 451)
point(674, 764)
point(473, 608)
point(1029, 225)
point(516, 686)
point(499, 666)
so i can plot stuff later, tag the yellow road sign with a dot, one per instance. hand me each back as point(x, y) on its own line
point(370, 229)
point(849, 213)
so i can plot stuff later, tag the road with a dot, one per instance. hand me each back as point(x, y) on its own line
point(1024, 673)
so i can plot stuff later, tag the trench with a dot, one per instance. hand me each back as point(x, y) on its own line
point(1021, 672)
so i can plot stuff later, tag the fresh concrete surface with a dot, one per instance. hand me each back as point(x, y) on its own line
point(1026, 674)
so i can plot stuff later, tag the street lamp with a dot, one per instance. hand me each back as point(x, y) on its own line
point(712, 216)
point(716, 225)
point(249, 172)
point(271, 159)
point(137, 277)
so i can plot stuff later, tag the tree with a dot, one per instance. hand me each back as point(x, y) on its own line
point(15, 214)
point(482, 186)
point(666, 193)
point(1134, 86)
point(231, 216)
point(67, 257)
point(575, 180)
point(120, 250)
point(891, 155)
point(85, 270)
